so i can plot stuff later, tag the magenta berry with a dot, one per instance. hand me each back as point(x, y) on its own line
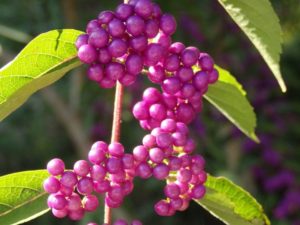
point(56, 167)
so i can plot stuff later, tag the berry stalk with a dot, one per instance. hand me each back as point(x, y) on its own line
point(115, 136)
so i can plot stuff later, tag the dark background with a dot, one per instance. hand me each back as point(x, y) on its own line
point(37, 131)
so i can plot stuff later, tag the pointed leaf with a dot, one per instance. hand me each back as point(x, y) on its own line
point(228, 96)
point(22, 197)
point(43, 61)
point(232, 204)
point(261, 24)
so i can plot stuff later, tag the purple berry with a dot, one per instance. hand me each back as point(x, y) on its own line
point(127, 79)
point(116, 149)
point(158, 111)
point(179, 139)
point(60, 213)
point(56, 167)
point(156, 11)
point(113, 165)
point(156, 74)
point(98, 38)
point(153, 54)
point(185, 113)
point(81, 168)
point(117, 47)
point(162, 208)
point(168, 24)
point(134, 64)
point(139, 43)
point(184, 175)
point(97, 153)
point(156, 155)
point(168, 125)
point(161, 171)
point(176, 48)
point(206, 62)
point(76, 215)
point(151, 28)
point(135, 25)
point(185, 74)
point(128, 161)
point(140, 153)
point(116, 28)
point(95, 72)
point(143, 8)
point(114, 70)
point(172, 190)
point(198, 192)
point(57, 201)
point(164, 140)
point(81, 40)
point(123, 11)
point(149, 141)
point(68, 179)
point(171, 85)
point(104, 56)
point(105, 17)
point(90, 203)
point(172, 63)
point(92, 26)
point(201, 80)
point(102, 186)
point(143, 170)
point(87, 54)
point(98, 173)
point(85, 185)
point(51, 185)
point(151, 95)
point(213, 76)
point(141, 111)
point(107, 83)
point(189, 57)
point(116, 193)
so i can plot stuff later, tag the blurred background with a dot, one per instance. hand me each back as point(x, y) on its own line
point(64, 119)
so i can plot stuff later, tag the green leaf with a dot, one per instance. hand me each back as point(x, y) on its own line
point(231, 204)
point(261, 24)
point(229, 97)
point(43, 61)
point(22, 197)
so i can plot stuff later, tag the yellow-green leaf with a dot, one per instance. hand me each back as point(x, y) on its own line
point(229, 97)
point(43, 61)
point(22, 197)
point(232, 204)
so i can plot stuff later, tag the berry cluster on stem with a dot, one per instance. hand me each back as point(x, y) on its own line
point(118, 46)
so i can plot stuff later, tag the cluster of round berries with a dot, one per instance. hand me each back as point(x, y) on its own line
point(118, 44)
point(166, 152)
point(111, 173)
point(121, 222)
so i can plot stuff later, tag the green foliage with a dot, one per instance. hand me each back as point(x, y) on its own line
point(43, 61)
point(22, 197)
point(261, 24)
point(231, 204)
point(228, 96)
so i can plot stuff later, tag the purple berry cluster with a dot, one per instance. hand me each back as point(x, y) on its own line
point(110, 171)
point(118, 44)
